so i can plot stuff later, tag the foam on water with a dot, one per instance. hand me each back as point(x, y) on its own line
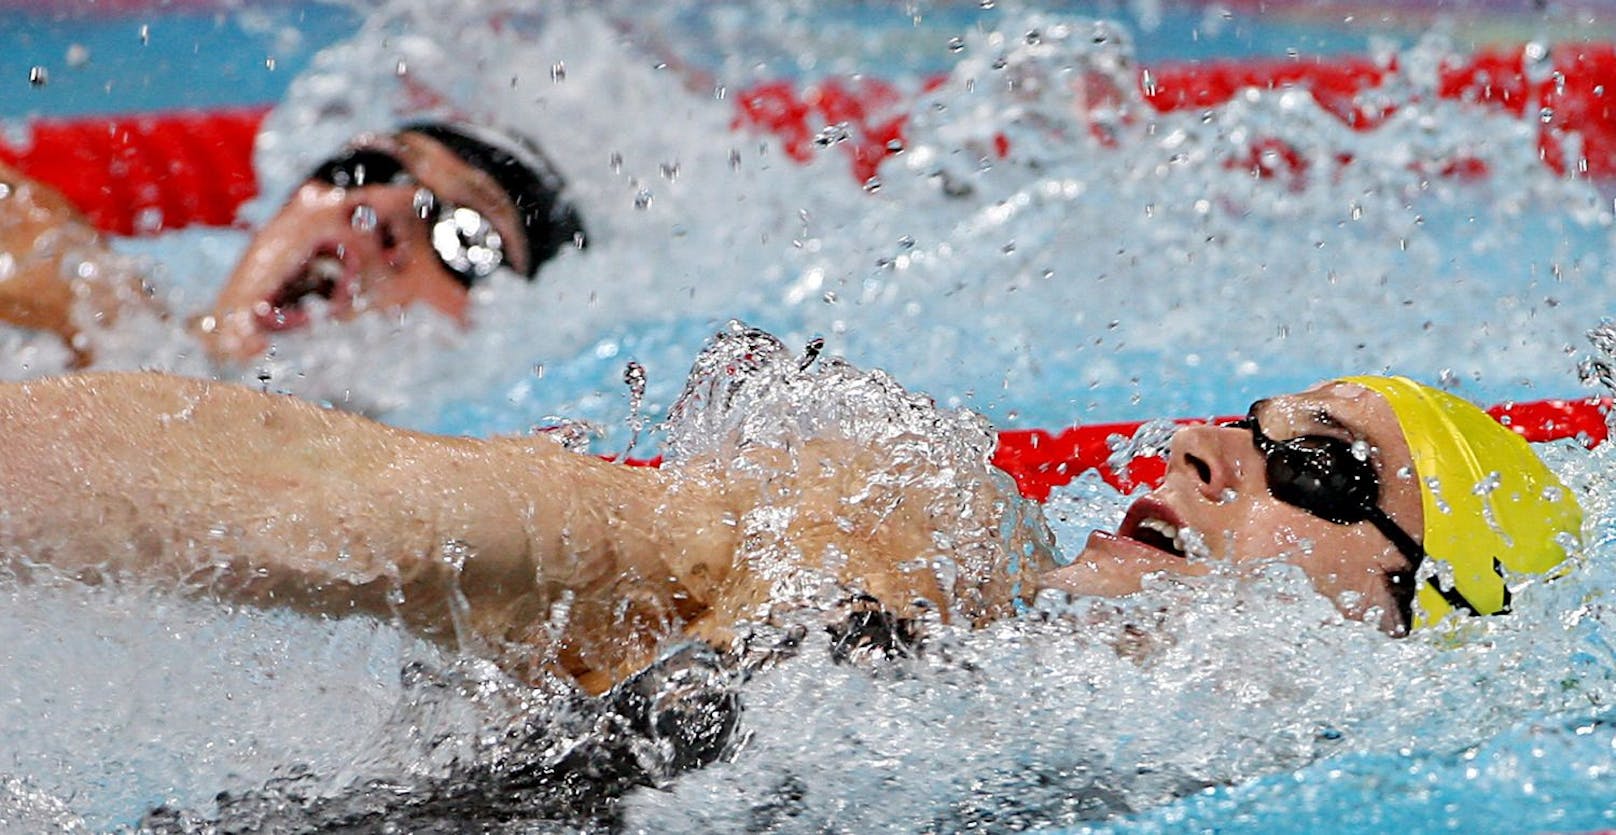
point(1115, 263)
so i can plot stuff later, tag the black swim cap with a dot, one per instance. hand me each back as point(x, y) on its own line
point(548, 221)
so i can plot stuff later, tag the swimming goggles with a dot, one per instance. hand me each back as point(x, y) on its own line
point(1327, 477)
point(464, 241)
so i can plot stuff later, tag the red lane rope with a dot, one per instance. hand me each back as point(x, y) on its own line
point(1040, 460)
point(146, 173)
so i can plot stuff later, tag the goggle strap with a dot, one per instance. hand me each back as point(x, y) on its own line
point(1416, 556)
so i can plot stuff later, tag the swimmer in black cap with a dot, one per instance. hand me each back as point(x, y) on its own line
point(418, 216)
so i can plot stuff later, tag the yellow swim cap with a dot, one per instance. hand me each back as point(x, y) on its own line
point(1490, 503)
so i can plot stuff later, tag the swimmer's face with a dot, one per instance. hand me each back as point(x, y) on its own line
point(1216, 497)
point(357, 249)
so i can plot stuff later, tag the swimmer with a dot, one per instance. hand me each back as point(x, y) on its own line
point(559, 562)
point(418, 216)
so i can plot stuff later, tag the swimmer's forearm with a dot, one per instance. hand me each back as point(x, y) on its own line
point(271, 498)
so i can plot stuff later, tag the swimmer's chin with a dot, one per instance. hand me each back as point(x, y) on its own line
point(1115, 566)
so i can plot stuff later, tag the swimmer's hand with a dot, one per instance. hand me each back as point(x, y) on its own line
point(52, 276)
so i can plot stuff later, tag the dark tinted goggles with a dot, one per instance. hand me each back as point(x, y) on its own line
point(465, 242)
point(1327, 477)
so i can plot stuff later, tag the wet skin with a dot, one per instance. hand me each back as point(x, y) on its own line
point(1216, 490)
point(386, 265)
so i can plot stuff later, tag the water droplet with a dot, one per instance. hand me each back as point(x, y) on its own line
point(669, 170)
point(985, 4)
point(634, 378)
point(37, 76)
point(145, 34)
point(363, 218)
point(77, 55)
point(269, 64)
point(402, 68)
point(734, 159)
point(872, 185)
point(149, 220)
point(833, 134)
point(558, 72)
point(642, 199)
point(423, 202)
point(811, 352)
point(956, 44)
point(616, 162)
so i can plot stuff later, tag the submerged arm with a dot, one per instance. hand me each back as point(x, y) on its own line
point(273, 500)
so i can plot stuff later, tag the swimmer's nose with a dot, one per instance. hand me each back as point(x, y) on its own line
point(390, 217)
point(1212, 457)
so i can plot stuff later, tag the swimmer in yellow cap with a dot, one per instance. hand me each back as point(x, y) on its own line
point(1401, 504)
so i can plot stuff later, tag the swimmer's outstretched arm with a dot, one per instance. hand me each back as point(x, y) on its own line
point(273, 500)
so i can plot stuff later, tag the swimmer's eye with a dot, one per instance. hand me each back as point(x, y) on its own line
point(357, 167)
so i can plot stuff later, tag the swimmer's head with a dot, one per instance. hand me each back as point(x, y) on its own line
point(416, 217)
point(1491, 506)
point(1355, 482)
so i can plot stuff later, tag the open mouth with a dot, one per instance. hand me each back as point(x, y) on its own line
point(1154, 525)
point(323, 277)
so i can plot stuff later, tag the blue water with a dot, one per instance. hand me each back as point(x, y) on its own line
point(105, 62)
point(1109, 292)
point(96, 62)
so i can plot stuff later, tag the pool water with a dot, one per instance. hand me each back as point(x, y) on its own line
point(1071, 279)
